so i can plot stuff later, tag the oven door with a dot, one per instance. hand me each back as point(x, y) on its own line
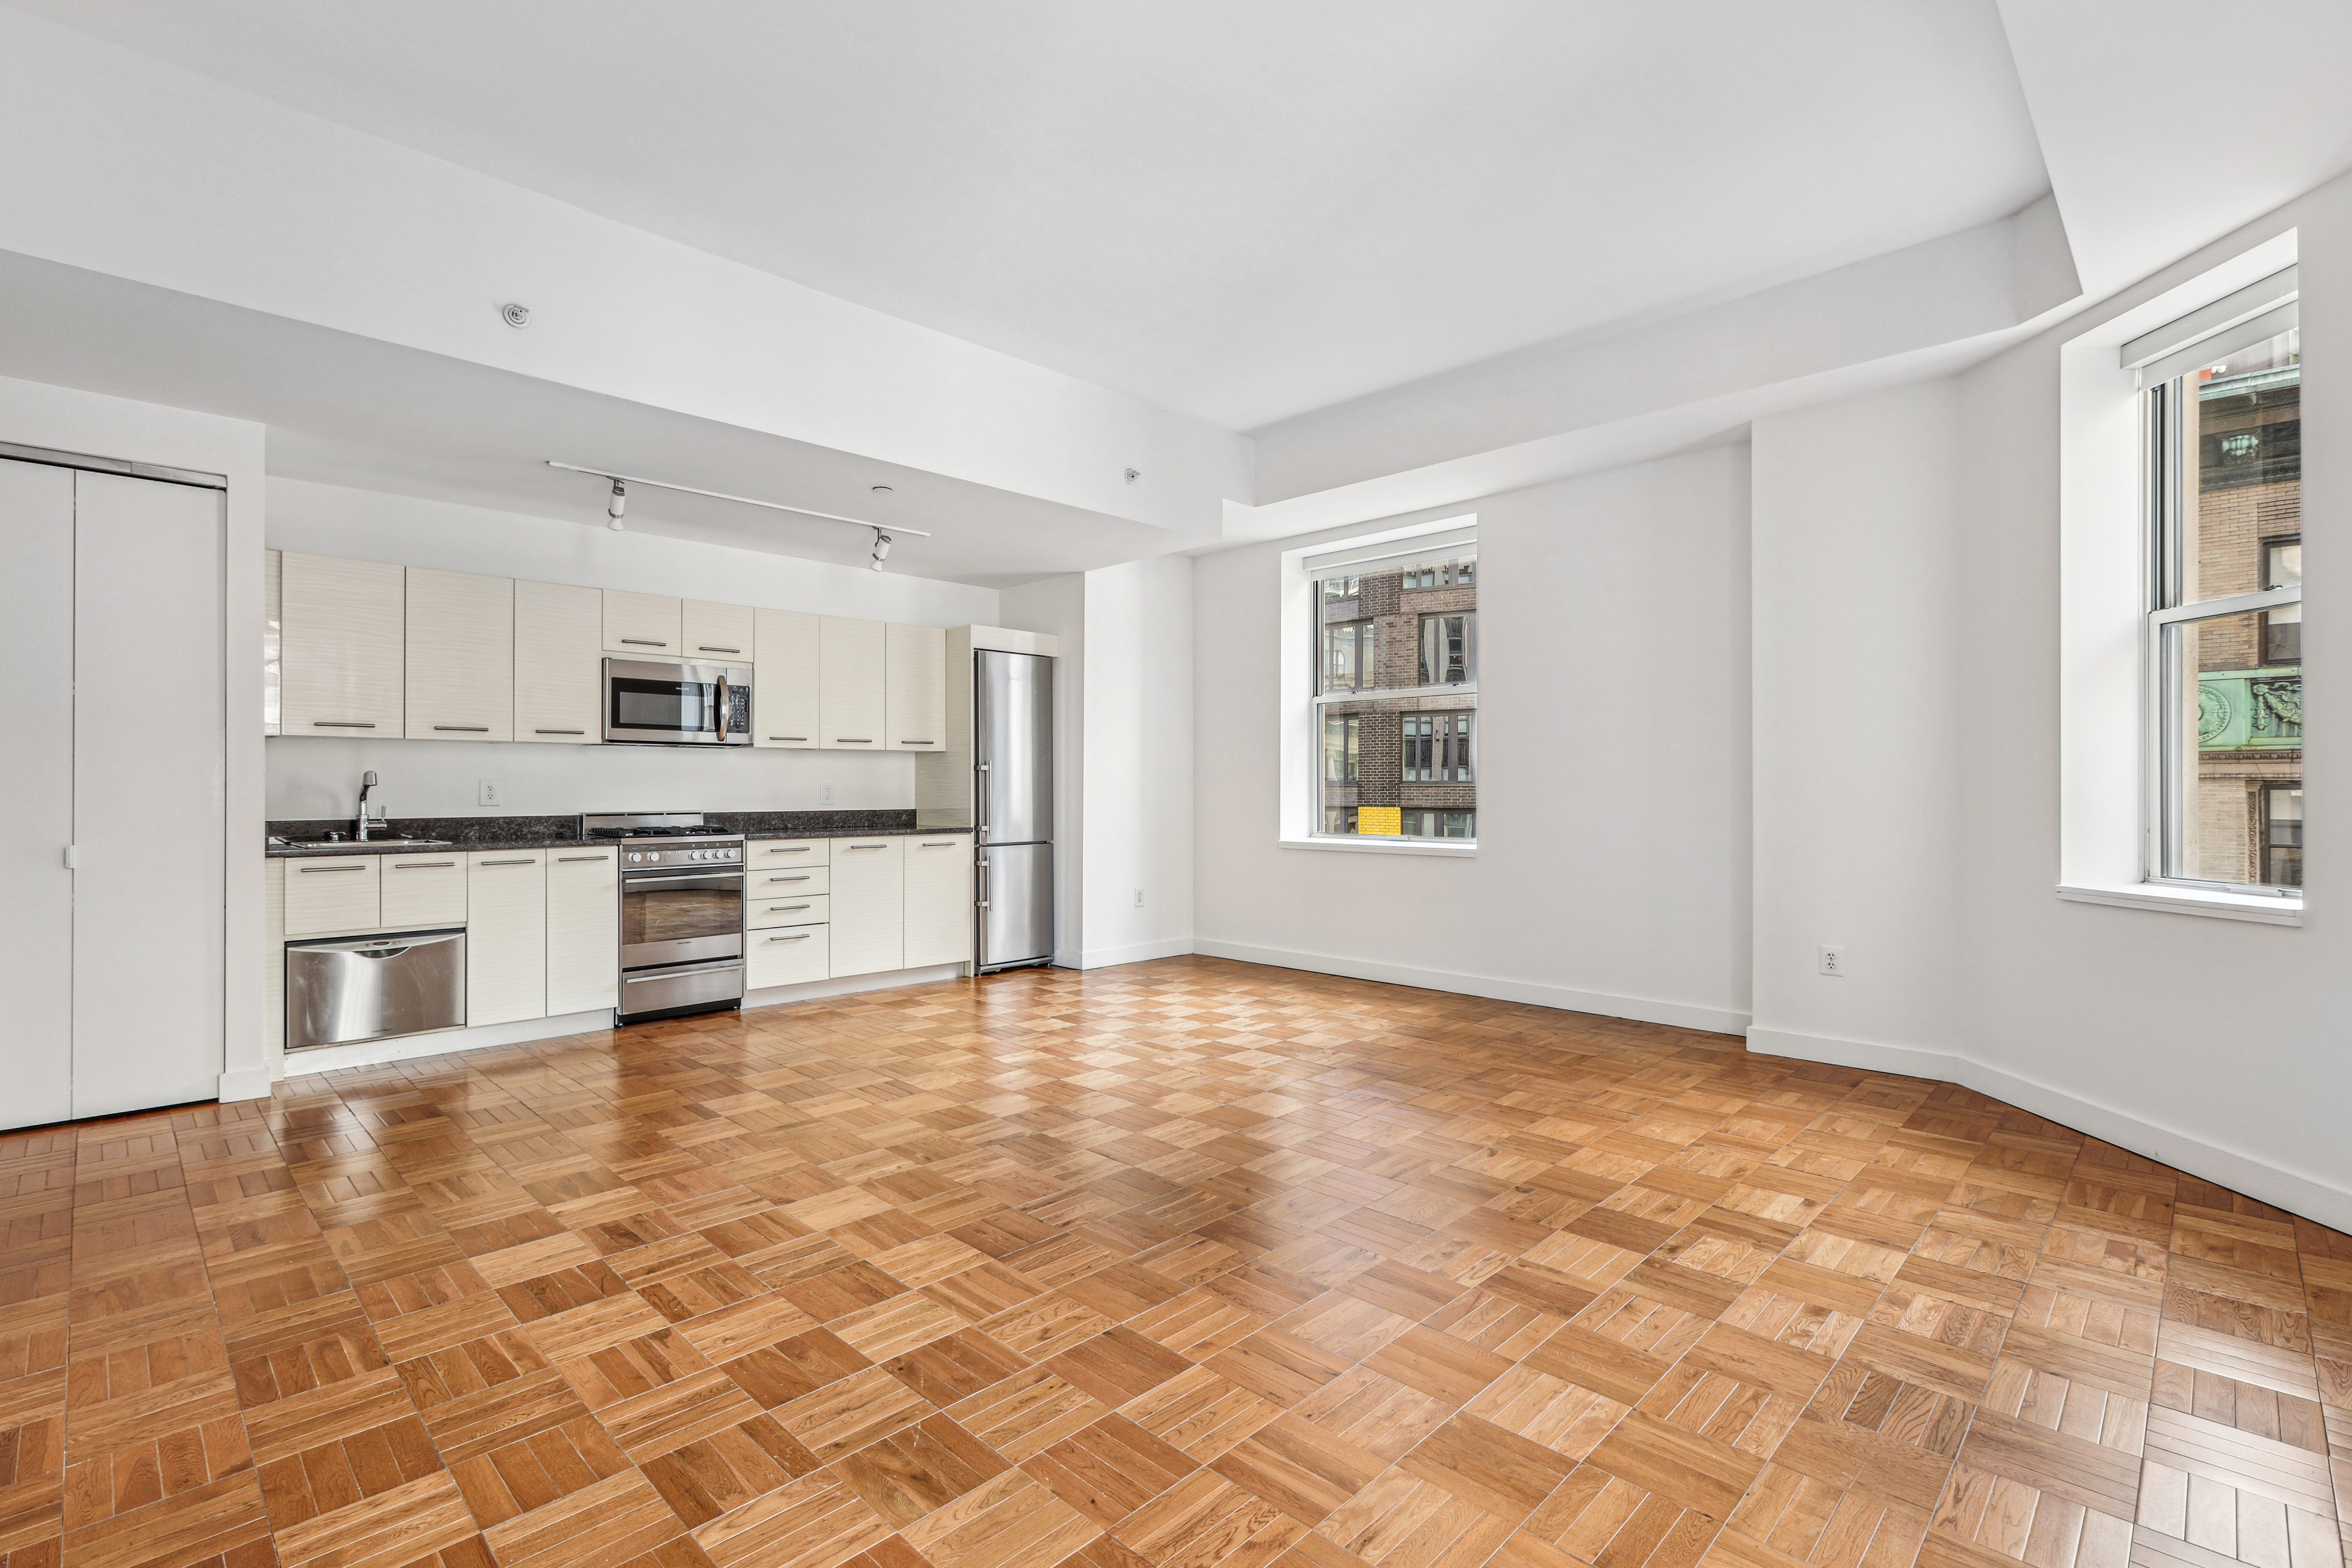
point(681, 917)
point(656, 704)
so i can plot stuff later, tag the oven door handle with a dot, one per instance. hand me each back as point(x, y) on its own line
point(729, 877)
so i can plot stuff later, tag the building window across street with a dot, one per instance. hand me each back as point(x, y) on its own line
point(1396, 691)
point(2224, 622)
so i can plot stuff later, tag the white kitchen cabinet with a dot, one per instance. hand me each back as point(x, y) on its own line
point(460, 638)
point(786, 709)
point(938, 899)
point(273, 663)
point(583, 931)
point(851, 685)
point(421, 892)
point(559, 663)
point(332, 893)
point(915, 701)
point(344, 647)
point(787, 957)
point(868, 907)
point(718, 634)
point(506, 935)
point(643, 626)
point(787, 854)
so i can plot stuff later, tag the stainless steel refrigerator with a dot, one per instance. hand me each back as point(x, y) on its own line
point(1012, 778)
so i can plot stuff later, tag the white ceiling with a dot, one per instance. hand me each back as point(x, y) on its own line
point(1238, 210)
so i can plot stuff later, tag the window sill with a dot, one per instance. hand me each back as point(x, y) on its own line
point(1458, 848)
point(2190, 902)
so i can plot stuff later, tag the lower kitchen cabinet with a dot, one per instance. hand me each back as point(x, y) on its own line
point(583, 931)
point(421, 891)
point(506, 935)
point(868, 906)
point(333, 894)
point(938, 899)
point(786, 955)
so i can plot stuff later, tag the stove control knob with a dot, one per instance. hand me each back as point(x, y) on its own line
point(653, 854)
point(635, 857)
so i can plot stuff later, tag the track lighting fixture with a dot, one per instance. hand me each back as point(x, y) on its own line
point(619, 503)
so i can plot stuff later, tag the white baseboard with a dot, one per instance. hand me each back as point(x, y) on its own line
point(1134, 952)
point(850, 984)
point(1680, 1015)
point(246, 1083)
point(440, 1042)
point(2294, 1191)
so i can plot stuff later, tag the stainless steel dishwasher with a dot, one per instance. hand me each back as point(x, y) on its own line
point(373, 988)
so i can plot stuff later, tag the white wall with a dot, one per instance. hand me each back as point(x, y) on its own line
point(317, 777)
point(1612, 873)
point(1137, 795)
point(1857, 660)
point(2214, 1045)
point(34, 414)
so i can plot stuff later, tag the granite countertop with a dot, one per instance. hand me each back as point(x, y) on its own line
point(467, 835)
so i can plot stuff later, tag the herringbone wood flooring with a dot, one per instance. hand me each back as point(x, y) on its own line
point(1183, 1265)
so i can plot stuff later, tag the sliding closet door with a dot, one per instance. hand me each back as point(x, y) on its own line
point(37, 783)
point(148, 925)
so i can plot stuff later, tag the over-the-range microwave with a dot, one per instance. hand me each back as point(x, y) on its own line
point(651, 703)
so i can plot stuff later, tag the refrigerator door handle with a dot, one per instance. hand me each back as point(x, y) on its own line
point(983, 808)
point(983, 881)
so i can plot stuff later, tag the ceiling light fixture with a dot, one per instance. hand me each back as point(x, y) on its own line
point(620, 483)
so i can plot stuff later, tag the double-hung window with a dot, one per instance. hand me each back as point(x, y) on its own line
point(2223, 631)
point(1395, 692)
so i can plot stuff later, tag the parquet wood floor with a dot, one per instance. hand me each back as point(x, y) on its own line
point(1181, 1265)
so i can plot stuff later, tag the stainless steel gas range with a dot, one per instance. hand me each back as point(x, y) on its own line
point(681, 913)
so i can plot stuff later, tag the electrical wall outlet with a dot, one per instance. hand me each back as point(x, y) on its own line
point(1139, 898)
point(825, 795)
point(489, 793)
point(1832, 959)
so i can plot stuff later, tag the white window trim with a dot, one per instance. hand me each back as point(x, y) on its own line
point(2102, 615)
point(1302, 708)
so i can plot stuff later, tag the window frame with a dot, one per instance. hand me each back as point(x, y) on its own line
point(1300, 814)
point(2164, 474)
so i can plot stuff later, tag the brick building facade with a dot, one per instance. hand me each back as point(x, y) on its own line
point(1412, 755)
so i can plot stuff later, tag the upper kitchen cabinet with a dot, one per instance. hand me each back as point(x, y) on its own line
point(559, 663)
point(786, 708)
point(853, 681)
point(643, 626)
point(343, 642)
point(461, 651)
point(718, 634)
point(916, 704)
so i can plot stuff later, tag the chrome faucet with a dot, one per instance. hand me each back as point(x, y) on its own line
point(367, 783)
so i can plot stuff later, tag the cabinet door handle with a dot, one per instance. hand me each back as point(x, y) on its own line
point(419, 865)
point(310, 870)
point(788, 737)
point(788, 848)
point(852, 739)
point(559, 732)
point(801, 877)
point(343, 724)
point(644, 642)
point(779, 908)
point(531, 862)
point(868, 846)
point(938, 844)
point(792, 936)
point(918, 743)
point(569, 858)
point(706, 647)
point(475, 729)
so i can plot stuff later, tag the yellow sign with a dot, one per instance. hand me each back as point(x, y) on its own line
point(1387, 820)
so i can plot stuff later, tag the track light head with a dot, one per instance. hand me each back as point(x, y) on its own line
point(881, 549)
point(618, 504)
